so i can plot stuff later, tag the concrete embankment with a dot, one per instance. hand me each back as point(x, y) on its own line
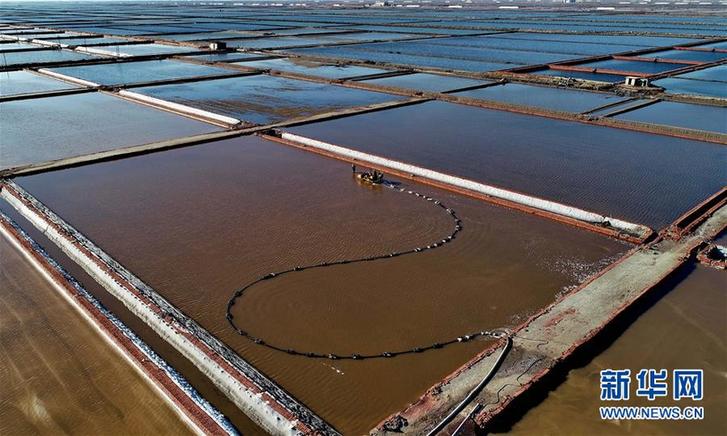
point(553, 335)
point(266, 403)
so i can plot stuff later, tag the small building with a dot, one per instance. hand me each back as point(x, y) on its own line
point(218, 45)
point(637, 82)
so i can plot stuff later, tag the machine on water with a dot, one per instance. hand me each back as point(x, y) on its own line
point(374, 177)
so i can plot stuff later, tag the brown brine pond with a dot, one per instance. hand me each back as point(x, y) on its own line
point(184, 367)
point(57, 374)
point(686, 328)
point(197, 223)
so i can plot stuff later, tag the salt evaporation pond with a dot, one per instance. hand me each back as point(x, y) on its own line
point(50, 128)
point(264, 99)
point(426, 82)
point(25, 82)
point(645, 178)
point(233, 210)
point(557, 99)
point(120, 73)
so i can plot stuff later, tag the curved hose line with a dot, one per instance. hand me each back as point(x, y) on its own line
point(457, 227)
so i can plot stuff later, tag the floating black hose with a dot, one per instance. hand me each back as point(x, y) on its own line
point(386, 354)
